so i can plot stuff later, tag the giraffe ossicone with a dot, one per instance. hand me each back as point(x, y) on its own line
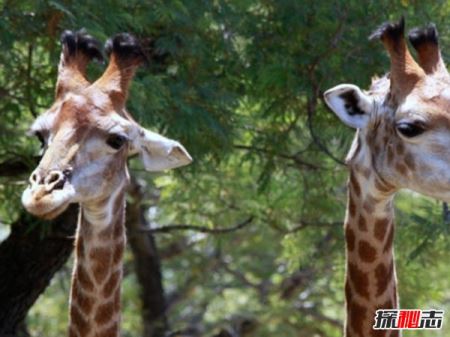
point(87, 136)
point(402, 138)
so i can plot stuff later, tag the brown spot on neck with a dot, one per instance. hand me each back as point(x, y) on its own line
point(369, 204)
point(84, 301)
point(78, 321)
point(362, 223)
point(381, 228)
point(105, 313)
point(383, 276)
point(362, 170)
point(359, 280)
point(111, 331)
point(356, 315)
point(112, 284)
point(84, 280)
point(366, 251)
point(354, 184)
point(348, 291)
point(349, 238)
point(101, 257)
point(351, 205)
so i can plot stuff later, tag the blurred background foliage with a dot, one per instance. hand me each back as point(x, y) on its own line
point(239, 83)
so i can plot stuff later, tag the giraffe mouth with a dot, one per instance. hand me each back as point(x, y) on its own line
point(47, 205)
point(54, 213)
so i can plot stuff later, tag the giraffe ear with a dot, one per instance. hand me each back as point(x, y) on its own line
point(159, 153)
point(350, 104)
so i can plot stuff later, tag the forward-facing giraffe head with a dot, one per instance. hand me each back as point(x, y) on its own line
point(403, 121)
point(87, 134)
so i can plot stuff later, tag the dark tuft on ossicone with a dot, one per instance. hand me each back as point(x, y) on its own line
point(125, 46)
point(393, 30)
point(89, 45)
point(81, 42)
point(419, 36)
point(68, 38)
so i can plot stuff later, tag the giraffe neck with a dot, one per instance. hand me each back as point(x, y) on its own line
point(370, 272)
point(100, 243)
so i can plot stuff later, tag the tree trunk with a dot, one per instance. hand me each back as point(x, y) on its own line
point(147, 266)
point(29, 257)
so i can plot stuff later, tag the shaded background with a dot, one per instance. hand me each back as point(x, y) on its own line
point(254, 244)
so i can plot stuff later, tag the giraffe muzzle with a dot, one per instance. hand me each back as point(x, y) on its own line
point(48, 195)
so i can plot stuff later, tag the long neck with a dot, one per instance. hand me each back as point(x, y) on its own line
point(100, 243)
point(370, 272)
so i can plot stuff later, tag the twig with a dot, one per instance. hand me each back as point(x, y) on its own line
point(312, 101)
point(29, 80)
point(294, 158)
point(311, 108)
point(240, 276)
point(201, 229)
point(320, 317)
point(446, 212)
point(303, 225)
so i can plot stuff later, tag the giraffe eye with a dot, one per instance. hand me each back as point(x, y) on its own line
point(116, 141)
point(410, 130)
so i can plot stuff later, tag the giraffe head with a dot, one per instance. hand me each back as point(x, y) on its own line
point(403, 121)
point(87, 134)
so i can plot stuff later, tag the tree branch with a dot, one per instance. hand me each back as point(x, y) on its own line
point(311, 108)
point(30, 99)
point(201, 229)
point(320, 317)
point(147, 265)
point(304, 224)
point(446, 212)
point(296, 159)
point(312, 101)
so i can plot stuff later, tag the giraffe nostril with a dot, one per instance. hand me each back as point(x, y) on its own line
point(55, 181)
point(53, 177)
point(35, 179)
point(59, 185)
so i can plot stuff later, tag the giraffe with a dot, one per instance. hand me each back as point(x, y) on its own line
point(402, 137)
point(87, 136)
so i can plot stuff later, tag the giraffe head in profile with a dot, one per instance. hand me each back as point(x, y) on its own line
point(87, 134)
point(403, 120)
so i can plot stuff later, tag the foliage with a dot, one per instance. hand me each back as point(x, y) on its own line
point(240, 86)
